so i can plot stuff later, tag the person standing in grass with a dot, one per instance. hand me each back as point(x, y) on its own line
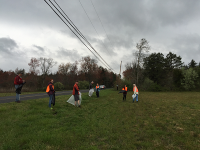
point(125, 89)
point(76, 93)
point(50, 91)
point(90, 87)
point(18, 82)
point(135, 90)
point(97, 90)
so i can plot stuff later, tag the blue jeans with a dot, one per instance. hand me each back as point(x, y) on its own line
point(17, 95)
point(50, 99)
point(136, 98)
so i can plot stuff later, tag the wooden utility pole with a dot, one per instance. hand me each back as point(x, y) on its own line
point(120, 70)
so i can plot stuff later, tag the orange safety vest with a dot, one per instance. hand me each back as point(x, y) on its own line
point(125, 89)
point(97, 87)
point(48, 87)
point(136, 89)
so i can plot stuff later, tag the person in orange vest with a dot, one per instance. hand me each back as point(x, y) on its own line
point(97, 90)
point(50, 91)
point(125, 89)
point(76, 93)
point(135, 90)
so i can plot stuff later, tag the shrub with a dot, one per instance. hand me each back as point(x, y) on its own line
point(58, 86)
point(83, 84)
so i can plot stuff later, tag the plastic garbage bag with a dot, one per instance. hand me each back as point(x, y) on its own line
point(72, 101)
point(134, 95)
point(91, 91)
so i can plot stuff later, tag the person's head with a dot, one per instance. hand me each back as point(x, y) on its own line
point(76, 82)
point(20, 73)
point(51, 80)
point(97, 84)
point(134, 85)
point(124, 85)
point(92, 82)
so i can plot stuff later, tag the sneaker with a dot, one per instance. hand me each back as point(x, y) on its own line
point(79, 106)
point(17, 101)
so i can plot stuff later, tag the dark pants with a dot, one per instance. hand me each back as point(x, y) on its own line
point(97, 93)
point(19, 88)
point(124, 97)
point(117, 88)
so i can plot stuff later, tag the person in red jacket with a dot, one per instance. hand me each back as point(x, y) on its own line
point(18, 82)
point(76, 93)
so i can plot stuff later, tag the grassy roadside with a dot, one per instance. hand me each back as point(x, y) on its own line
point(13, 94)
point(26, 93)
point(158, 121)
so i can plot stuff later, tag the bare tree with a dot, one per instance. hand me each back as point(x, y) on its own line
point(143, 48)
point(46, 64)
point(34, 63)
point(88, 66)
point(64, 68)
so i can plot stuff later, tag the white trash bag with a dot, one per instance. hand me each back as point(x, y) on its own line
point(91, 91)
point(72, 101)
point(134, 95)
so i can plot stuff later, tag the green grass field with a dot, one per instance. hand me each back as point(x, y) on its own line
point(159, 121)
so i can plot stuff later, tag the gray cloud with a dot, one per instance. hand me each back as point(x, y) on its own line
point(68, 55)
point(187, 46)
point(39, 47)
point(7, 45)
point(168, 26)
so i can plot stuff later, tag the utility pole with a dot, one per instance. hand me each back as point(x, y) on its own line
point(120, 70)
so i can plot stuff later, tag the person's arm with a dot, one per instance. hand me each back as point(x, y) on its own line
point(51, 88)
point(135, 91)
point(76, 87)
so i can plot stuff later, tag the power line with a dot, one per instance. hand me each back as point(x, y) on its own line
point(73, 31)
point(76, 29)
point(100, 20)
point(92, 25)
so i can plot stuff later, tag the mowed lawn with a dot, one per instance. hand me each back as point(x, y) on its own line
point(168, 120)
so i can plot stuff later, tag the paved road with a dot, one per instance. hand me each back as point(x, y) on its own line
point(8, 99)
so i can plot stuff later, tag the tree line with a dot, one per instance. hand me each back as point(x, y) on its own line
point(156, 72)
point(39, 74)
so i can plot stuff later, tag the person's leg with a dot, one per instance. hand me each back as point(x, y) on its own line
point(98, 94)
point(78, 102)
point(137, 97)
point(134, 99)
point(50, 99)
point(17, 95)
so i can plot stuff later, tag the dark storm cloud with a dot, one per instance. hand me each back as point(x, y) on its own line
point(125, 23)
point(171, 12)
point(188, 47)
point(7, 46)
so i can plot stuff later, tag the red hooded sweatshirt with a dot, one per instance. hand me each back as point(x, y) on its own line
point(18, 80)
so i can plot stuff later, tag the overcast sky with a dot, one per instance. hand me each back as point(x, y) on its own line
point(29, 28)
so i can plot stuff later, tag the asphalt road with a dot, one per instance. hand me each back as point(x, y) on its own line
point(8, 99)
